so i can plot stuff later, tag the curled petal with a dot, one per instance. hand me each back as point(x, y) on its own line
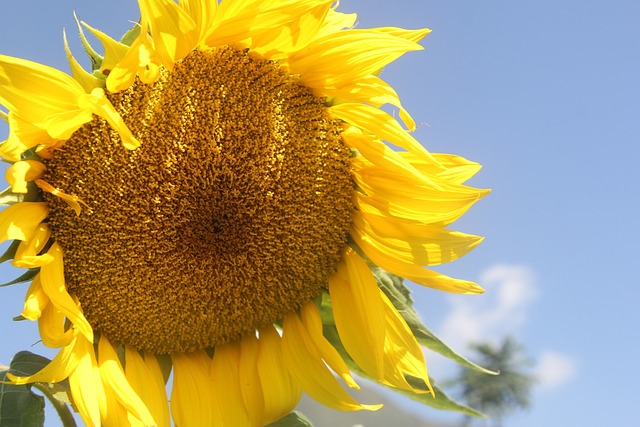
point(59, 368)
point(53, 284)
point(51, 326)
point(71, 199)
point(27, 254)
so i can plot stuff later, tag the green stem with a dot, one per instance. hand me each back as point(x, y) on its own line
point(61, 408)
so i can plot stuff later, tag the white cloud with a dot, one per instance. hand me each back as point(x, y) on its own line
point(554, 370)
point(499, 312)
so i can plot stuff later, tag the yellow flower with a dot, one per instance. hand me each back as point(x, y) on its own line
point(218, 179)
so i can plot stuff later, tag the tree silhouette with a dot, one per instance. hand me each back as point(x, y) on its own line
point(497, 395)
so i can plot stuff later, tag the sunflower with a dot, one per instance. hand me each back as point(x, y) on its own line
point(210, 198)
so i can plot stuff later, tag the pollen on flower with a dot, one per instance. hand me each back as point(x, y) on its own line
point(234, 210)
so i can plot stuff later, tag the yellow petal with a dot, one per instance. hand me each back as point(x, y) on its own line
point(145, 378)
point(58, 369)
point(377, 122)
point(173, 31)
point(358, 309)
point(35, 301)
point(306, 366)
point(114, 379)
point(280, 392)
point(98, 104)
point(71, 199)
point(439, 202)
point(64, 124)
point(140, 60)
point(192, 402)
point(19, 221)
point(23, 135)
point(27, 253)
point(411, 35)
point(412, 241)
point(34, 91)
point(457, 169)
point(276, 42)
point(116, 415)
point(249, 378)
point(86, 385)
point(338, 59)
point(52, 277)
point(202, 12)
point(236, 23)
point(380, 256)
point(20, 172)
point(336, 21)
point(402, 348)
point(313, 323)
point(225, 377)
point(377, 152)
point(371, 90)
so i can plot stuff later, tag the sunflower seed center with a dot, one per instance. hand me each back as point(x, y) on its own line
point(234, 210)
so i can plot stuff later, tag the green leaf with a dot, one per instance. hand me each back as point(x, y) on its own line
point(400, 296)
point(294, 419)
point(439, 401)
point(19, 406)
point(26, 277)
point(26, 363)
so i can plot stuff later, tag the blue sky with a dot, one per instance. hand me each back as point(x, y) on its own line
point(546, 95)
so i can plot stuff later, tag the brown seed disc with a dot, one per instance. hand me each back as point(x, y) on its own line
point(234, 210)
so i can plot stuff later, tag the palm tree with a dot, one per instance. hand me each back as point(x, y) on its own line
point(497, 395)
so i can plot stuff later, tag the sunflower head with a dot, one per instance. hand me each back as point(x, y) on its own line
point(219, 197)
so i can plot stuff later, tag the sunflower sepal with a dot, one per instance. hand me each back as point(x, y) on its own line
point(26, 277)
point(8, 197)
point(10, 252)
point(94, 56)
point(441, 401)
point(294, 419)
point(400, 295)
point(131, 35)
